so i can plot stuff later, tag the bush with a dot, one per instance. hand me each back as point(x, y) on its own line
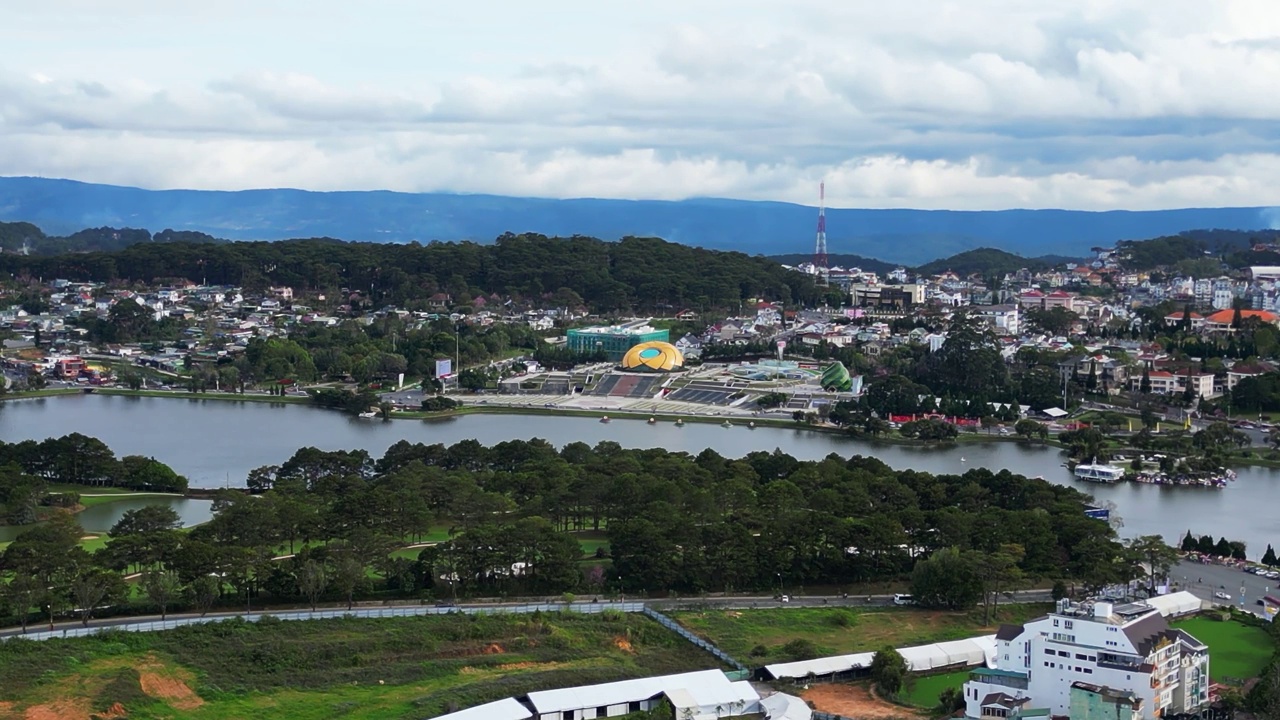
point(759, 651)
point(842, 618)
point(800, 649)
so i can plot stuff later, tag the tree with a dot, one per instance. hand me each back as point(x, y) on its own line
point(1144, 385)
point(161, 587)
point(1269, 557)
point(311, 581)
point(1158, 557)
point(203, 592)
point(1028, 428)
point(1222, 548)
point(1059, 590)
point(1189, 542)
point(94, 586)
point(888, 670)
point(997, 570)
point(946, 580)
point(348, 575)
point(21, 594)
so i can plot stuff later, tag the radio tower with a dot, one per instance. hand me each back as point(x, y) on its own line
point(820, 249)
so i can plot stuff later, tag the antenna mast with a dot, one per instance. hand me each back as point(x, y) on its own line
point(820, 248)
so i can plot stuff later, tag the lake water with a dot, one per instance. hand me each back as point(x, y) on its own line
point(217, 442)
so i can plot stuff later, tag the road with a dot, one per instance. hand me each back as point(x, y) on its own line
point(745, 602)
point(1204, 580)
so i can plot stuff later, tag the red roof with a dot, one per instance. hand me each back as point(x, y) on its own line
point(1225, 317)
point(1178, 316)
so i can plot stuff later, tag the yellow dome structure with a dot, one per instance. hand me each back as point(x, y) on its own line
point(653, 356)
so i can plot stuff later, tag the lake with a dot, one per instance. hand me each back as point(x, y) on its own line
point(217, 442)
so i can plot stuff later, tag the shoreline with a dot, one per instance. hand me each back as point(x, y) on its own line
point(471, 408)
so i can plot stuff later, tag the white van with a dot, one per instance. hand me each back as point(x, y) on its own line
point(901, 599)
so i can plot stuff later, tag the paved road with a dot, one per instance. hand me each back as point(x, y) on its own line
point(1204, 580)
point(666, 604)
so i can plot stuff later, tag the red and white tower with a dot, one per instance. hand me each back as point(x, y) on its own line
point(820, 249)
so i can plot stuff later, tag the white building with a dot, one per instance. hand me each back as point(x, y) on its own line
point(702, 695)
point(1126, 648)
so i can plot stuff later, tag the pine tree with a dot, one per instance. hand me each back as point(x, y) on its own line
point(1189, 542)
point(1144, 386)
point(1269, 557)
point(1223, 548)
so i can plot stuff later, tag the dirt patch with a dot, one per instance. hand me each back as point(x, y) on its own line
point(115, 712)
point(494, 649)
point(623, 644)
point(171, 690)
point(853, 701)
point(72, 709)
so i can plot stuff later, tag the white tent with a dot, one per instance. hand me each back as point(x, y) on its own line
point(1175, 604)
point(970, 652)
point(508, 709)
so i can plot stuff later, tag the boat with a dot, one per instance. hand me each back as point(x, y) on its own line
point(962, 459)
point(604, 419)
point(1099, 472)
point(679, 422)
point(653, 420)
point(368, 414)
point(726, 423)
point(752, 425)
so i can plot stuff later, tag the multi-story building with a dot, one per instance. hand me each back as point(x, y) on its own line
point(614, 340)
point(1124, 650)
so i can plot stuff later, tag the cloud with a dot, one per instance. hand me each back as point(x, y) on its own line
point(986, 104)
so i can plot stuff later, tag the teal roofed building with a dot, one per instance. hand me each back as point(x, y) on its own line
point(614, 340)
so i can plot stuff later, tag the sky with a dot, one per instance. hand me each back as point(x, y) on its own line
point(981, 104)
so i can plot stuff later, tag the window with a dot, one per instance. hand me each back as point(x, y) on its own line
point(1081, 656)
point(1068, 624)
point(1048, 651)
point(1064, 653)
point(633, 707)
point(567, 715)
point(602, 711)
point(1055, 622)
point(1088, 671)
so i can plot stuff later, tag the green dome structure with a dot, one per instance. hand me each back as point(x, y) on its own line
point(836, 378)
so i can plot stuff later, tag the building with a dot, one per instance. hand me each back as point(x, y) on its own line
point(701, 695)
point(1094, 702)
point(614, 340)
point(1004, 319)
point(886, 297)
point(1033, 299)
point(1222, 319)
point(1113, 651)
point(1164, 382)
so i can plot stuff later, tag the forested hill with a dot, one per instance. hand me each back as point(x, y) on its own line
point(902, 236)
point(631, 274)
point(987, 261)
point(23, 237)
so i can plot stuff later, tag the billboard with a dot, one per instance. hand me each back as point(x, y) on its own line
point(444, 368)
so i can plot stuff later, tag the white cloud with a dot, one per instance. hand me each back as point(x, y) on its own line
point(982, 104)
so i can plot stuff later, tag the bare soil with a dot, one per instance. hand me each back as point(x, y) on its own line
point(854, 701)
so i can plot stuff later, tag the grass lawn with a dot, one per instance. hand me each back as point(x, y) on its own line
point(386, 668)
point(839, 631)
point(1235, 649)
point(924, 691)
point(591, 540)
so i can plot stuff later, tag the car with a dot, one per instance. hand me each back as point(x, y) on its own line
point(1221, 595)
point(901, 599)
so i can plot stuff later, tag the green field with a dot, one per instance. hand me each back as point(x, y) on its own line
point(923, 692)
point(1236, 650)
point(838, 631)
point(387, 668)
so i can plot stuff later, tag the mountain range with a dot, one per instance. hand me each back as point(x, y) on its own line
point(756, 227)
